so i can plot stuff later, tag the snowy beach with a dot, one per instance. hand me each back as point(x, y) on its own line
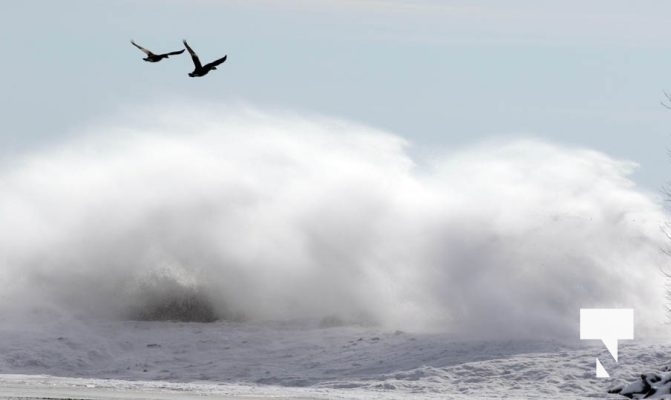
point(300, 359)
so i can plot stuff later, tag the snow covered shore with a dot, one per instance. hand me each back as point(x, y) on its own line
point(302, 359)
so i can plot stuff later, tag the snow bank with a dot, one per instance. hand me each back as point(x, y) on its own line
point(299, 359)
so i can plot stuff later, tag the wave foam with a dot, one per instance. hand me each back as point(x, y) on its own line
point(270, 216)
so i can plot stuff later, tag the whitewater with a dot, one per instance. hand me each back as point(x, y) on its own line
point(228, 251)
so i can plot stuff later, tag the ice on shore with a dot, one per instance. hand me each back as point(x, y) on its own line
point(306, 358)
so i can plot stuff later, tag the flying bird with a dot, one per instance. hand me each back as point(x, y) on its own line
point(151, 57)
point(199, 69)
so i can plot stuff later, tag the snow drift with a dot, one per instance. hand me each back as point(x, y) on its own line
point(241, 214)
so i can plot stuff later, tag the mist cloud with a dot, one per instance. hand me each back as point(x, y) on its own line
point(272, 216)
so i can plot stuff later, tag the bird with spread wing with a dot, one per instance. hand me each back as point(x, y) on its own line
point(199, 69)
point(151, 57)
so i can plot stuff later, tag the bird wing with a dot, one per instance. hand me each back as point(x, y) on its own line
point(147, 52)
point(194, 56)
point(173, 53)
point(216, 62)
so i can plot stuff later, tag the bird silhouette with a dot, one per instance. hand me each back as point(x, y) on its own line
point(199, 69)
point(151, 57)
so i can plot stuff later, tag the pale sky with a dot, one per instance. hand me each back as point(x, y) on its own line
point(441, 74)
